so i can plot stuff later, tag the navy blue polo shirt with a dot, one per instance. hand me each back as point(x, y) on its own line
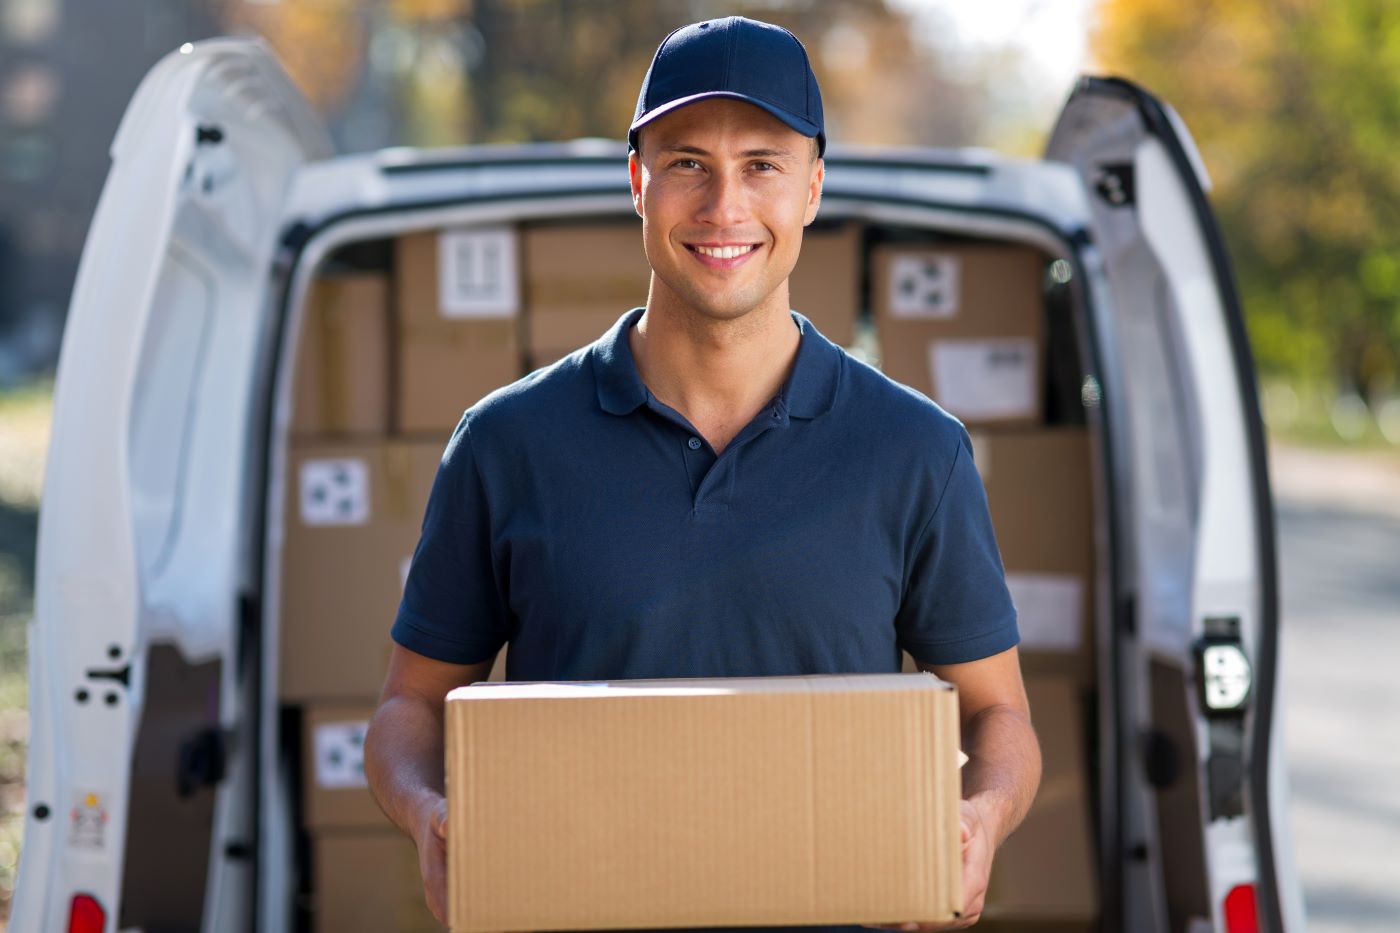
point(591, 527)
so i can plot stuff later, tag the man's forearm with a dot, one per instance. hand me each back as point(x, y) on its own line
point(1003, 770)
point(404, 759)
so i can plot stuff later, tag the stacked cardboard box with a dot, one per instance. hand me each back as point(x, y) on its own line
point(965, 326)
point(384, 369)
point(342, 361)
point(457, 324)
point(368, 882)
point(703, 802)
point(1045, 872)
point(825, 284)
point(1041, 499)
point(353, 513)
point(579, 279)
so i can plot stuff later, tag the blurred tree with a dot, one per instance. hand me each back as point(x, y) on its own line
point(321, 43)
point(560, 69)
point(1295, 105)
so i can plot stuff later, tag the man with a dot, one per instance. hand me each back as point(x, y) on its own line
point(712, 488)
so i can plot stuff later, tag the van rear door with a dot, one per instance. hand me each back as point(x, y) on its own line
point(139, 773)
point(1199, 830)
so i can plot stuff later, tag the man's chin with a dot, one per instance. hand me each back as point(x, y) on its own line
point(731, 309)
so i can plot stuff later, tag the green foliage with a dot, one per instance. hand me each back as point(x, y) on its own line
point(1296, 108)
point(25, 414)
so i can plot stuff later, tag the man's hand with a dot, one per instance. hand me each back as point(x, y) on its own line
point(431, 838)
point(977, 850)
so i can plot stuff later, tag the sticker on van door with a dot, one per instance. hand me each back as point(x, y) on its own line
point(334, 492)
point(87, 821)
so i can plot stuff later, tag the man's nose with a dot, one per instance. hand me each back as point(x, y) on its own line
point(725, 202)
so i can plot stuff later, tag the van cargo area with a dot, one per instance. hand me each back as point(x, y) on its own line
point(397, 336)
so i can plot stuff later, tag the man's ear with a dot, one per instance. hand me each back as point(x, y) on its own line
point(634, 175)
point(814, 192)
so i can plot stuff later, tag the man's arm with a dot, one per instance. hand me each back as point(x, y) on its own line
point(1003, 770)
point(1002, 773)
point(404, 757)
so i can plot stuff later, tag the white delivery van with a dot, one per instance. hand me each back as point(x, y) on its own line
point(237, 459)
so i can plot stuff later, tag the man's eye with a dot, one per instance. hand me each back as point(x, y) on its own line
point(765, 166)
point(686, 163)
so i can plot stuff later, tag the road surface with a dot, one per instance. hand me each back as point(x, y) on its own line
point(1339, 561)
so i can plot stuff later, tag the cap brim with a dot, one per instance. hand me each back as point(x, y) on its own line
point(805, 127)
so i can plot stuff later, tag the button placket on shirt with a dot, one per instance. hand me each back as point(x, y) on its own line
point(718, 484)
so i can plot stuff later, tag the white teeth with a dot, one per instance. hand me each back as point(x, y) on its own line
point(724, 252)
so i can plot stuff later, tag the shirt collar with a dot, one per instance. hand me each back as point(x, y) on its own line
point(810, 389)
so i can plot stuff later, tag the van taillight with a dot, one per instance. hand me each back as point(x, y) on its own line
point(86, 915)
point(1241, 912)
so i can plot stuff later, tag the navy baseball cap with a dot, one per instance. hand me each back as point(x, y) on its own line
point(733, 57)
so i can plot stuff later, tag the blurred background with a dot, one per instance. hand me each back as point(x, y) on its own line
point(1295, 105)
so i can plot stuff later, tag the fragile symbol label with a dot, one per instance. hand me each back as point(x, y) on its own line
point(335, 492)
point(340, 754)
point(924, 286)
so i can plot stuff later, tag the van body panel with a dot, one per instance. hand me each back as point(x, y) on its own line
point(1201, 512)
point(144, 521)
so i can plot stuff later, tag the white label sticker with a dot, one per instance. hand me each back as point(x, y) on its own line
point(1049, 609)
point(335, 492)
point(989, 378)
point(340, 754)
point(87, 821)
point(924, 286)
point(477, 275)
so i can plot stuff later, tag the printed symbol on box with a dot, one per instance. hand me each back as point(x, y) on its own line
point(340, 754)
point(335, 492)
point(924, 286)
point(477, 274)
point(87, 821)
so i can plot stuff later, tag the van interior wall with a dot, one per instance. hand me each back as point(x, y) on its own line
point(399, 336)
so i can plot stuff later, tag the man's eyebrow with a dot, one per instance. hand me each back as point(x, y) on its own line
point(778, 153)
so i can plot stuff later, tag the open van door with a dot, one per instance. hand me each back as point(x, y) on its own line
point(142, 669)
point(1195, 837)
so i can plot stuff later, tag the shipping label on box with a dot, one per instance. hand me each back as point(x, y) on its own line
point(924, 285)
point(478, 273)
point(983, 380)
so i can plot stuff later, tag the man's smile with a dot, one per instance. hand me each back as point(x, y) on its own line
point(722, 255)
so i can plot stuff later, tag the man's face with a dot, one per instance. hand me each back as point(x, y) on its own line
point(724, 190)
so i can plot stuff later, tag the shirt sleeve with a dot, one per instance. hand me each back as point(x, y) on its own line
point(452, 608)
point(956, 604)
